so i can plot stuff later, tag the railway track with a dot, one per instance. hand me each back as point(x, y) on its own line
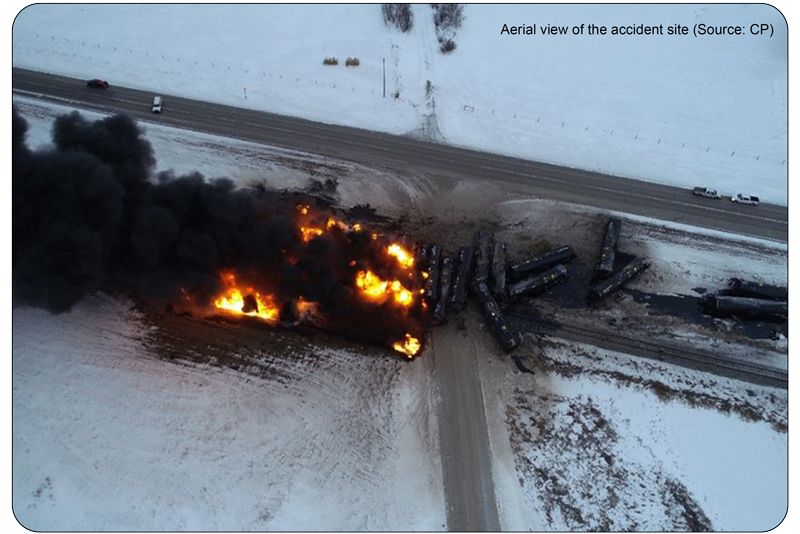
point(691, 358)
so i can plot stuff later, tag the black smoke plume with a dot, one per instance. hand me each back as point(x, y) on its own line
point(90, 213)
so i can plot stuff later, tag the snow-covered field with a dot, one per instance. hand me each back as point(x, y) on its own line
point(107, 436)
point(110, 436)
point(602, 441)
point(672, 109)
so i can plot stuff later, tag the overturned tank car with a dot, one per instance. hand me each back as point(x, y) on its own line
point(507, 338)
point(483, 243)
point(608, 250)
point(745, 307)
point(758, 290)
point(540, 262)
point(538, 283)
point(445, 284)
point(497, 274)
point(434, 268)
point(622, 277)
point(462, 276)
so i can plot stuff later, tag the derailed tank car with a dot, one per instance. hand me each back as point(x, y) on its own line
point(440, 311)
point(538, 283)
point(622, 277)
point(507, 338)
point(434, 268)
point(608, 250)
point(483, 242)
point(462, 277)
point(497, 274)
point(745, 307)
point(421, 257)
point(758, 290)
point(540, 262)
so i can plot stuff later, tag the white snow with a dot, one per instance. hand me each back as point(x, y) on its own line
point(681, 110)
point(602, 431)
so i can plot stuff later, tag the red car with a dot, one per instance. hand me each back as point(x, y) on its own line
point(98, 84)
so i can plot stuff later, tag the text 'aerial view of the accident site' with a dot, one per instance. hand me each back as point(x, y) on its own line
point(400, 267)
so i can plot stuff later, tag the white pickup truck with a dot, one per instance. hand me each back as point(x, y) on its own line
point(706, 192)
point(745, 199)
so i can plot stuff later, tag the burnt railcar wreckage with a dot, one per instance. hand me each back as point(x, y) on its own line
point(445, 285)
point(622, 277)
point(538, 283)
point(507, 338)
point(462, 278)
point(757, 290)
point(608, 250)
point(541, 262)
point(421, 257)
point(746, 307)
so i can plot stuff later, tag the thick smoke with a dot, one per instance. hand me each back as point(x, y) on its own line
point(68, 211)
point(89, 213)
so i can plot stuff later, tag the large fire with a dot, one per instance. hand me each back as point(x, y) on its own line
point(377, 286)
point(408, 346)
point(380, 291)
point(310, 233)
point(246, 301)
point(403, 257)
point(309, 230)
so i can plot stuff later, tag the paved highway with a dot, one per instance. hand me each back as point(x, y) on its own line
point(392, 151)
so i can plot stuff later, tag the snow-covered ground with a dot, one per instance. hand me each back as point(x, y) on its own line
point(682, 110)
point(602, 441)
point(108, 435)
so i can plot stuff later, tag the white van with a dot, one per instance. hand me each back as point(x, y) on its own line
point(157, 104)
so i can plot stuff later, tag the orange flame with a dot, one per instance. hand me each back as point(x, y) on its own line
point(381, 290)
point(306, 308)
point(408, 346)
point(233, 301)
point(403, 257)
point(309, 233)
point(334, 222)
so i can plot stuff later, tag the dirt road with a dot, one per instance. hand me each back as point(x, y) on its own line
point(464, 438)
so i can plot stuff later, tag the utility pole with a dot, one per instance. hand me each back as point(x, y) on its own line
point(384, 77)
